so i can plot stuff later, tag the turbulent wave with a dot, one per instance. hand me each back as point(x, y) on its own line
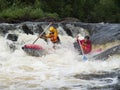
point(60, 69)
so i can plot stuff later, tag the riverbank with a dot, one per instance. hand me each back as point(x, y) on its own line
point(47, 19)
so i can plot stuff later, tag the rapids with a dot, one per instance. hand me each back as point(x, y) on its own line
point(60, 69)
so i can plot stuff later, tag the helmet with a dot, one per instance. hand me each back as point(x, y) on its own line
point(52, 29)
point(80, 37)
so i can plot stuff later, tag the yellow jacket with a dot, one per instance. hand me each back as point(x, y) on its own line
point(53, 35)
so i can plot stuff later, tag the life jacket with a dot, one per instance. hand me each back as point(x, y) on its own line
point(53, 35)
point(86, 46)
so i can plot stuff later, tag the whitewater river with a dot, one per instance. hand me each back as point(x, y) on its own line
point(60, 69)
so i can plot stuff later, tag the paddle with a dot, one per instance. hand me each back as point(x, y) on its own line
point(42, 32)
point(84, 58)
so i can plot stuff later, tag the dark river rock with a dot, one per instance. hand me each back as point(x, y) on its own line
point(100, 33)
point(12, 37)
point(4, 27)
point(26, 29)
point(104, 76)
point(106, 54)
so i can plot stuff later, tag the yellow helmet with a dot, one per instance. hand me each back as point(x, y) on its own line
point(52, 29)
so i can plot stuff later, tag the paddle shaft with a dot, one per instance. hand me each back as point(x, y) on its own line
point(82, 50)
point(81, 47)
point(42, 33)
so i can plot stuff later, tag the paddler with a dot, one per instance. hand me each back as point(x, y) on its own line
point(53, 35)
point(85, 44)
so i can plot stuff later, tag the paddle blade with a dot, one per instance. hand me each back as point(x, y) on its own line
point(84, 58)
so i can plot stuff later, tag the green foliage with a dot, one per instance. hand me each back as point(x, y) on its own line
point(3, 4)
point(67, 11)
point(106, 11)
point(117, 2)
point(36, 13)
point(37, 4)
point(77, 11)
point(85, 10)
point(15, 12)
point(52, 15)
point(21, 12)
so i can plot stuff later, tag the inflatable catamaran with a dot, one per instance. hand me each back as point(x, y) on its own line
point(34, 49)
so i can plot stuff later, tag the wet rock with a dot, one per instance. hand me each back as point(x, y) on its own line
point(106, 54)
point(11, 42)
point(12, 37)
point(98, 75)
point(67, 30)
point(102, 76)
point(102, 33)
point(39, 29)
point(4, 27)
point(72, 29)
point(26, 29)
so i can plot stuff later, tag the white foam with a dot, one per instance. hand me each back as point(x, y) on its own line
point(55, 69)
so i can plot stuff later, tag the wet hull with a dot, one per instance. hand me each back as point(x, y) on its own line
point(34, 50)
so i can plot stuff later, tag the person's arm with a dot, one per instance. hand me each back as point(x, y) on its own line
point(55, 34)
point(47, 35)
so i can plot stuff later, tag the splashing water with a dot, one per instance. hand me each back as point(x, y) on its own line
point(61, 69)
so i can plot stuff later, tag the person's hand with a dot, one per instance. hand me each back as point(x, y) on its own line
point(43, 36)
point(39, 36)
